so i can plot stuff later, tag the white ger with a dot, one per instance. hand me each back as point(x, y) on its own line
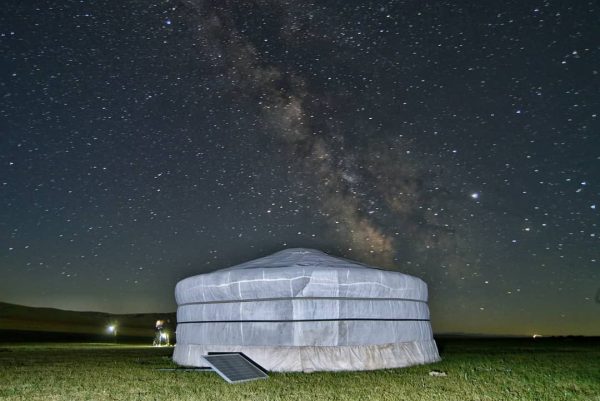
point(303, 310)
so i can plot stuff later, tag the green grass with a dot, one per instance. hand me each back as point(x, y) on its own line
point(476, 370)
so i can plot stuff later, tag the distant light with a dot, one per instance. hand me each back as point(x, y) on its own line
point(112, 329)
point(475, 195)
point(537, 336)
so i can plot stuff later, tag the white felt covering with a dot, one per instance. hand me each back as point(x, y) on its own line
point(302, 310)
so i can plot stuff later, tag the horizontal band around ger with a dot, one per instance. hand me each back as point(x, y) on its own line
point(300, 298)
point(303, 320)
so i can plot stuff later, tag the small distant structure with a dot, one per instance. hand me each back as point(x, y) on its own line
point(161, 336)
point(303, 310)
point(537, 336)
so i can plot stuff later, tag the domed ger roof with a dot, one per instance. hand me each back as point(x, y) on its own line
point(303, 310)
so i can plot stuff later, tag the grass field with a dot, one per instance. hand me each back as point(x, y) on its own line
point(476, 370)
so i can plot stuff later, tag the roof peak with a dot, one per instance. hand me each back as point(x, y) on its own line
point(300, 250)
point(299, 257)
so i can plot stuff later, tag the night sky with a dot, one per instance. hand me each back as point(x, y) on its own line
point(142, 142)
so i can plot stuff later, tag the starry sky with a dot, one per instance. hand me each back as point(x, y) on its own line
point(142, 142)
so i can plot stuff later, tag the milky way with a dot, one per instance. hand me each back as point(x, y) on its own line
point(145, 142)
point(350, 184)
